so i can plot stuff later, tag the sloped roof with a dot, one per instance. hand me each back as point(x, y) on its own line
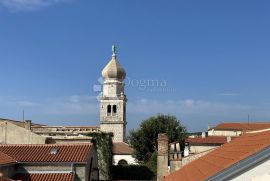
point(223, 157)
point(122, 148)
point(44, 153)
point(208, 140)
point(46, 177)
point(242, 126)
point(5, 159)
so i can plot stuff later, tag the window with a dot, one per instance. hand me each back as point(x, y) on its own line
point(109, 110)
point(114, 108)
point(54, 151)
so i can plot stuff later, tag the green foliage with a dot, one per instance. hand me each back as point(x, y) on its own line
point(132, 172)
point(103, 142)
point(152, 163)
point(144, 139)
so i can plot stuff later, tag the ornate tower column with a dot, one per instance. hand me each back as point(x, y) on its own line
point(113, 100)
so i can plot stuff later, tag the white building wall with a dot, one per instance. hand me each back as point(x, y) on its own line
point(199, 149)
point(258, 173)
point(130, 160)
point(213, 132)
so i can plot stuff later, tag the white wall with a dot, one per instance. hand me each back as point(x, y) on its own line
point(258, 173)
point(199, 149)
point(213, 132)
point(130, 160)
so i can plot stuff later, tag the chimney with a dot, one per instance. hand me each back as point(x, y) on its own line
point(186, 150)
point(229, 139)
point(162, 158)
point(203, 134)
point(172, 148)
point(27, 124)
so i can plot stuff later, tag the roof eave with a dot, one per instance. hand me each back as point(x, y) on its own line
point(8, 164)
point(53, 163)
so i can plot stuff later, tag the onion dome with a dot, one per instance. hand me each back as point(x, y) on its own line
point(113, 70)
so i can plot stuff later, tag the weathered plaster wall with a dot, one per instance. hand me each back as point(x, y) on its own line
point(13, 134)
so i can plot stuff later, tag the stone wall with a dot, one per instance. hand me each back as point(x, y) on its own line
point(116, 129)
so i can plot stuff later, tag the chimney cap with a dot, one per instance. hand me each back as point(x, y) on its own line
point(162, 136)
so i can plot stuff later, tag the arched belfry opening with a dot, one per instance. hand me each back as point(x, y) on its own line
point(114, 110)
point(109, 110)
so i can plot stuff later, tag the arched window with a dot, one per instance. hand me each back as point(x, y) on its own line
point(109, 110)
point(122, 162)
point(114, 109)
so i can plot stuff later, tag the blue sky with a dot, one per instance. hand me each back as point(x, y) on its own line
point(210, 59)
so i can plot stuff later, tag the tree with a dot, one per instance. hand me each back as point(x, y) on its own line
point(144, 139)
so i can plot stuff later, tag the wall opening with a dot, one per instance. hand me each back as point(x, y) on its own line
point(114, 109)
point(122, 162)
point(109, 110)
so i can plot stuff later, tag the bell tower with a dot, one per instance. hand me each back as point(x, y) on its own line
point(113, 100)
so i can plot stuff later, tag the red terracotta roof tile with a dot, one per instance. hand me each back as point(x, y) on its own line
point(121, 148)
point(43, 153)
point(222, 157)
point(46, 177)
point(5, 159)
point(243, 126)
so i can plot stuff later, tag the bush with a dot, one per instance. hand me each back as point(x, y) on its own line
point(132, 172)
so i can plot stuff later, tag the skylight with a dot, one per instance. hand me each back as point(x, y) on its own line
point(54, 151)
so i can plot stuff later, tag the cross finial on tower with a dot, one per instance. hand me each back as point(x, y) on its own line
point(113, 50)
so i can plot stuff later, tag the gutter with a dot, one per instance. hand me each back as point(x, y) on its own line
point(53, 163)
point(241, 166)
point(8, 164)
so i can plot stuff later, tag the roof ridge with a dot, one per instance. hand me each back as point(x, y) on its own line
point(8, 156)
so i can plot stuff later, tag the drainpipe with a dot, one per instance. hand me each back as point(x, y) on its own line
point(72, 168)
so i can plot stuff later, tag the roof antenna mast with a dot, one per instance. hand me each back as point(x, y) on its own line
point(23, 115)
